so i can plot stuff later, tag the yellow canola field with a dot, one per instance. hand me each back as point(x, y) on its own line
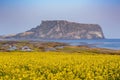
point(58, 66)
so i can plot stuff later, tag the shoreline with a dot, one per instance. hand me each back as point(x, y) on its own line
point(113, 44)
point(8, 46)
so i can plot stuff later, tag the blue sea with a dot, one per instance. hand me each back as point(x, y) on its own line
point(101, 43)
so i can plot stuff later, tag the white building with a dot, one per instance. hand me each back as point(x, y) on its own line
point(12, 48)
point(26, 48)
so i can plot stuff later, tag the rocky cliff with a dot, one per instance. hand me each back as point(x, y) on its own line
point(60, 29)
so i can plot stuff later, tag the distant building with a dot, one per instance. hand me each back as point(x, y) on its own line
point(26, 48)
point(12, 48)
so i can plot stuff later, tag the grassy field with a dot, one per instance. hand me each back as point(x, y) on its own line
point(58, 66)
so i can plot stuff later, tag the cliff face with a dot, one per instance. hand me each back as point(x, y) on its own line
point(59, 29)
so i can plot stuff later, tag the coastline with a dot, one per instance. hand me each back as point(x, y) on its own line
point(35, 46)
point(96, 43)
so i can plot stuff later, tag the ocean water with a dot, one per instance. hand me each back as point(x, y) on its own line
point(101, 43)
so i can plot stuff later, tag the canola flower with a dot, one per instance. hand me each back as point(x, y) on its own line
point(58, 66)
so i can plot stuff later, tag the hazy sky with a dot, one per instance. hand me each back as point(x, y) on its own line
point(20, 15)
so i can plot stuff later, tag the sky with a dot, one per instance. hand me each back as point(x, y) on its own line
point(21, 15)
